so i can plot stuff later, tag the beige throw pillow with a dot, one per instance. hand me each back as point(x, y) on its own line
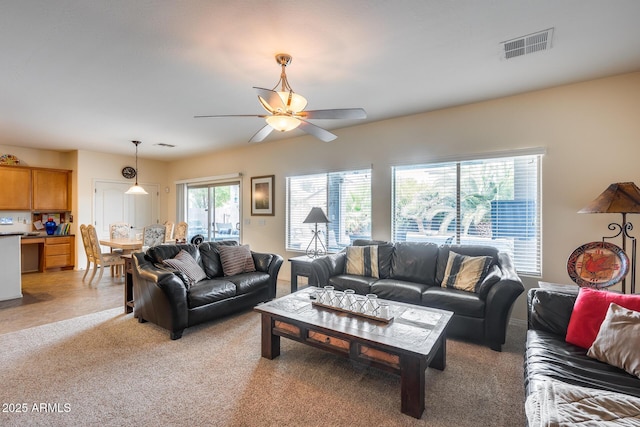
point(362, 261)
point(618, 341)
point(465, 272)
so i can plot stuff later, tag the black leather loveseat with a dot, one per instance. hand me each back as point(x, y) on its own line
point(413, 273)
point(165, 296)
point(549, 358)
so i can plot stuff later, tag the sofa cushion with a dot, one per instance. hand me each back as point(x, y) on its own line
point(236, 260)
point(618, 341)
point(360, 284)
point(548, 356)
point(208, 291)
point(262, 261)
point(465, 272)
point(398, 290)
point(385, 254)
point(460, 302)
point(551, 311)
point(210, 254)
point(468, 250)
point(590, 310)
point(249, 282)
point(414, 262)
point(157, 254)
point(362, 261)
point(183, 262)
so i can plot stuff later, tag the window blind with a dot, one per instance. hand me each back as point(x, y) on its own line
point(492, 202)
point(345, 197)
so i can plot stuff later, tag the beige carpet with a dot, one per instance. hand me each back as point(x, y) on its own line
point(107, 369)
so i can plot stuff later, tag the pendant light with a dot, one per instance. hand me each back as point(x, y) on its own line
point(135, 188)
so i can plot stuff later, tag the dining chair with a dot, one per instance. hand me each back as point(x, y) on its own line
point(153, 235)
point(86, 242)
point(169, 231)
point(103, 259)
point(119, 230)
point(180, 233)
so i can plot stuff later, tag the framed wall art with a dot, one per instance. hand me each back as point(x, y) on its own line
point(262, 195)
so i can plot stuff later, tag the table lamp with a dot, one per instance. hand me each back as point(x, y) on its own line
point(316, 216)
point(624, 198)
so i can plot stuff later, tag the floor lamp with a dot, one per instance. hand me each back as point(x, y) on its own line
point(624, 198)
point(316, 216)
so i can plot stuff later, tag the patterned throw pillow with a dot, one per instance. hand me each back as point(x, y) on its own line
point(465, 272)
point(362, 261)
point(236, 259)
point(185, 263)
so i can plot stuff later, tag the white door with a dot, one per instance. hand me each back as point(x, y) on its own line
point(113, 205)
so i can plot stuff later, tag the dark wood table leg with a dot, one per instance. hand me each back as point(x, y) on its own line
point(294, 279)
point(439, 360)
point(412, 386)
point(270, 342)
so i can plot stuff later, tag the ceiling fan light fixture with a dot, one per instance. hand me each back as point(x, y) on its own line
point(295, 104)
point(283, 123)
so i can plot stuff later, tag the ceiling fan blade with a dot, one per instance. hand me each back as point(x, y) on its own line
point(336, 113)
point(261, 134)
point(270, 99)
point(229, 115)
point(316, 131)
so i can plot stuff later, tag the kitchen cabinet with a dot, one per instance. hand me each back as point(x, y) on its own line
point(51, 190)
point(16, 188)
point(59, 252)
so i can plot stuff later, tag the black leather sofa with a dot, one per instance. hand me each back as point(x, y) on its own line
point(163, 297)
point(549, 357)
point(413, 272)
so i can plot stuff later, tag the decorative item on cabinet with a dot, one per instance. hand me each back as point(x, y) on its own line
point(50, 226)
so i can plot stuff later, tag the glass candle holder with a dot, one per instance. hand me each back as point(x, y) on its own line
point(372, 306)
point(350, 299)
point(338, 301)
point(330, 295)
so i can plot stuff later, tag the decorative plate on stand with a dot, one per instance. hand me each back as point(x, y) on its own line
point(597, 265)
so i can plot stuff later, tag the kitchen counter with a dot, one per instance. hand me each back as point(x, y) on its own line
point(10, 265)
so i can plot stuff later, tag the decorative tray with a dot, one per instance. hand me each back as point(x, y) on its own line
point(387, 319)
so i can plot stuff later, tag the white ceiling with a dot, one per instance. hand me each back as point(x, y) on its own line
point(95, 74)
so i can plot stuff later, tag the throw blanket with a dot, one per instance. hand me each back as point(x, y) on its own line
point(559, 404)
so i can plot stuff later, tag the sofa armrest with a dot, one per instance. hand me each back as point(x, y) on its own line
point(327, 266)
point(499, 302)
point(262, 263)
point(160, 295)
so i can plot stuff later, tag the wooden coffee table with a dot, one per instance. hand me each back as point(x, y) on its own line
point(414, 340)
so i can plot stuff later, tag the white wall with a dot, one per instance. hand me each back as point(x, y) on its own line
point(591, 133)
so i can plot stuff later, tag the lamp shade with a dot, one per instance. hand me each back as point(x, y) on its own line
point(135, 189)
point(316, 216)
point(283, 123)
point(621, 197)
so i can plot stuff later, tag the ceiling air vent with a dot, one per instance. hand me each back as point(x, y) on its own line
point(162, 144)
point(527, 44)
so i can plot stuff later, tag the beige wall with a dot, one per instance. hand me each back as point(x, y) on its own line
point(590, 131)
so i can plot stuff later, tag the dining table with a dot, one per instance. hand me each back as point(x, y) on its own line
point(126, 245)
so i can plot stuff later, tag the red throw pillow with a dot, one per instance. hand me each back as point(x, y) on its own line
point(589, 312)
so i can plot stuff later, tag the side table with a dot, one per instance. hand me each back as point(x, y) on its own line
point(300, 266)
point(128, 283)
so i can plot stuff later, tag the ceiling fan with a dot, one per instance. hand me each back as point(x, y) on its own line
point(286, 110)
